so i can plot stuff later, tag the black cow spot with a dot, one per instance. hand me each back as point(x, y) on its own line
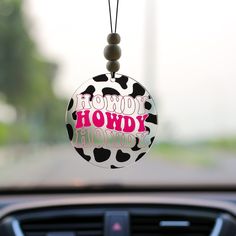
point(70, 131)
point(110, 91)
point(137, 90)
point(122, 156)
point(101, 154)
point(135, 147)
point(81, 152)
point(100, 78)
point(140, 156)
point(147, 129)
point(74, 116)
point(152, 118)
point(115, 167)
point(148, 105)
point(89, 90)
point(122, 81)
point(152, 139)
point(70, 104)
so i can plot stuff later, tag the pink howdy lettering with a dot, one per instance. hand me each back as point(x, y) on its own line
point(98, 118)
point(114, 120)
point(141, 120)
point(82, 119)
point(129, 124)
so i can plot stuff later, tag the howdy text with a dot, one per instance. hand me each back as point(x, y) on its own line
point(122, 113)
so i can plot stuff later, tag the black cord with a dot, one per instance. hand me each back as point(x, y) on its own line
point(109, 4)
point(117, 7)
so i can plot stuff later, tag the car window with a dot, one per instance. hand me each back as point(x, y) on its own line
point(184, 52)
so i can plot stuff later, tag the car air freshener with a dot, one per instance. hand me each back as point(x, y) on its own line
point(111, 119)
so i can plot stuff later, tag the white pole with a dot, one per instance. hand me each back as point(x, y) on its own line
point(150, 41)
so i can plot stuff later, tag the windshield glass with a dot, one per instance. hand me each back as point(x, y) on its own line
point(184, 52)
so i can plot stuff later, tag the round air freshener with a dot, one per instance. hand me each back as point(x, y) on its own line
point(111, 119)
point(111, 122)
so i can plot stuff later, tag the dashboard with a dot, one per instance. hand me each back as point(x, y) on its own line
point(119, 214)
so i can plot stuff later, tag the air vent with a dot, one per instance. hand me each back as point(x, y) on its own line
point(169, 225)
point(66, 226)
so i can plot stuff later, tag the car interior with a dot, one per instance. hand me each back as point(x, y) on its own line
point(117, 211)
point(184, 53)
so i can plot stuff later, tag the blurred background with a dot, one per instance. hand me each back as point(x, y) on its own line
point(184, 52)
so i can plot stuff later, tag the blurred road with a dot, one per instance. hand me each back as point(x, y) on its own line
point(60, 165)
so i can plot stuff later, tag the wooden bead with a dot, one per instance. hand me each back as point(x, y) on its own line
point(113, 66)
point(112, 52)
point(113, 38)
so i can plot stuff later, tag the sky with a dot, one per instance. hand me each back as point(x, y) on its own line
point(184, 52)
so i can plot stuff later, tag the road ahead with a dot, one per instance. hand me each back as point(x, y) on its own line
point(60, 165)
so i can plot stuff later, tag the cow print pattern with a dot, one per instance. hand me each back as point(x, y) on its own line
point(113, 157)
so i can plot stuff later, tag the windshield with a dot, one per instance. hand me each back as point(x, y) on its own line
point(184, 52)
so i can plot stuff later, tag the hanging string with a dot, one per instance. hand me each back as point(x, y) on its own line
point(112, 52)
point(117, 7)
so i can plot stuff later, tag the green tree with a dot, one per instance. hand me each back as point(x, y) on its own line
point(26, 78)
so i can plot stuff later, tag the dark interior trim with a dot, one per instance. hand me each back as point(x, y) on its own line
point(39, 190)
point(119, 200)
